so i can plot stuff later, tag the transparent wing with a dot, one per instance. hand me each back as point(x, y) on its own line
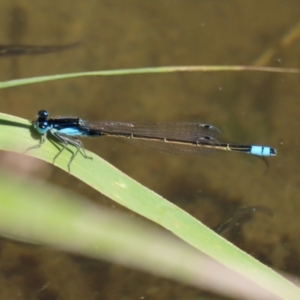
point(186, 132)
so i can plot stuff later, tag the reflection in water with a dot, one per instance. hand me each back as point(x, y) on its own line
point(17, 25)
point(241, 217)
point(16, 29)
point(11, 50)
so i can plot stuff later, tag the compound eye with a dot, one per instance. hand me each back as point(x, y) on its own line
point(43, 114)
point(42, 126)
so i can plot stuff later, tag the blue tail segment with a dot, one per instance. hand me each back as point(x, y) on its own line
point(250, 149)
point(262, 151)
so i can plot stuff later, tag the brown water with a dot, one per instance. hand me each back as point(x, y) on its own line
point(249, 108)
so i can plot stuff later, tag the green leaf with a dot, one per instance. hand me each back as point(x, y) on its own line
point(150, 70)
point(15, 136)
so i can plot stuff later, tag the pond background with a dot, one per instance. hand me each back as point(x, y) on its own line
point(248, 107)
